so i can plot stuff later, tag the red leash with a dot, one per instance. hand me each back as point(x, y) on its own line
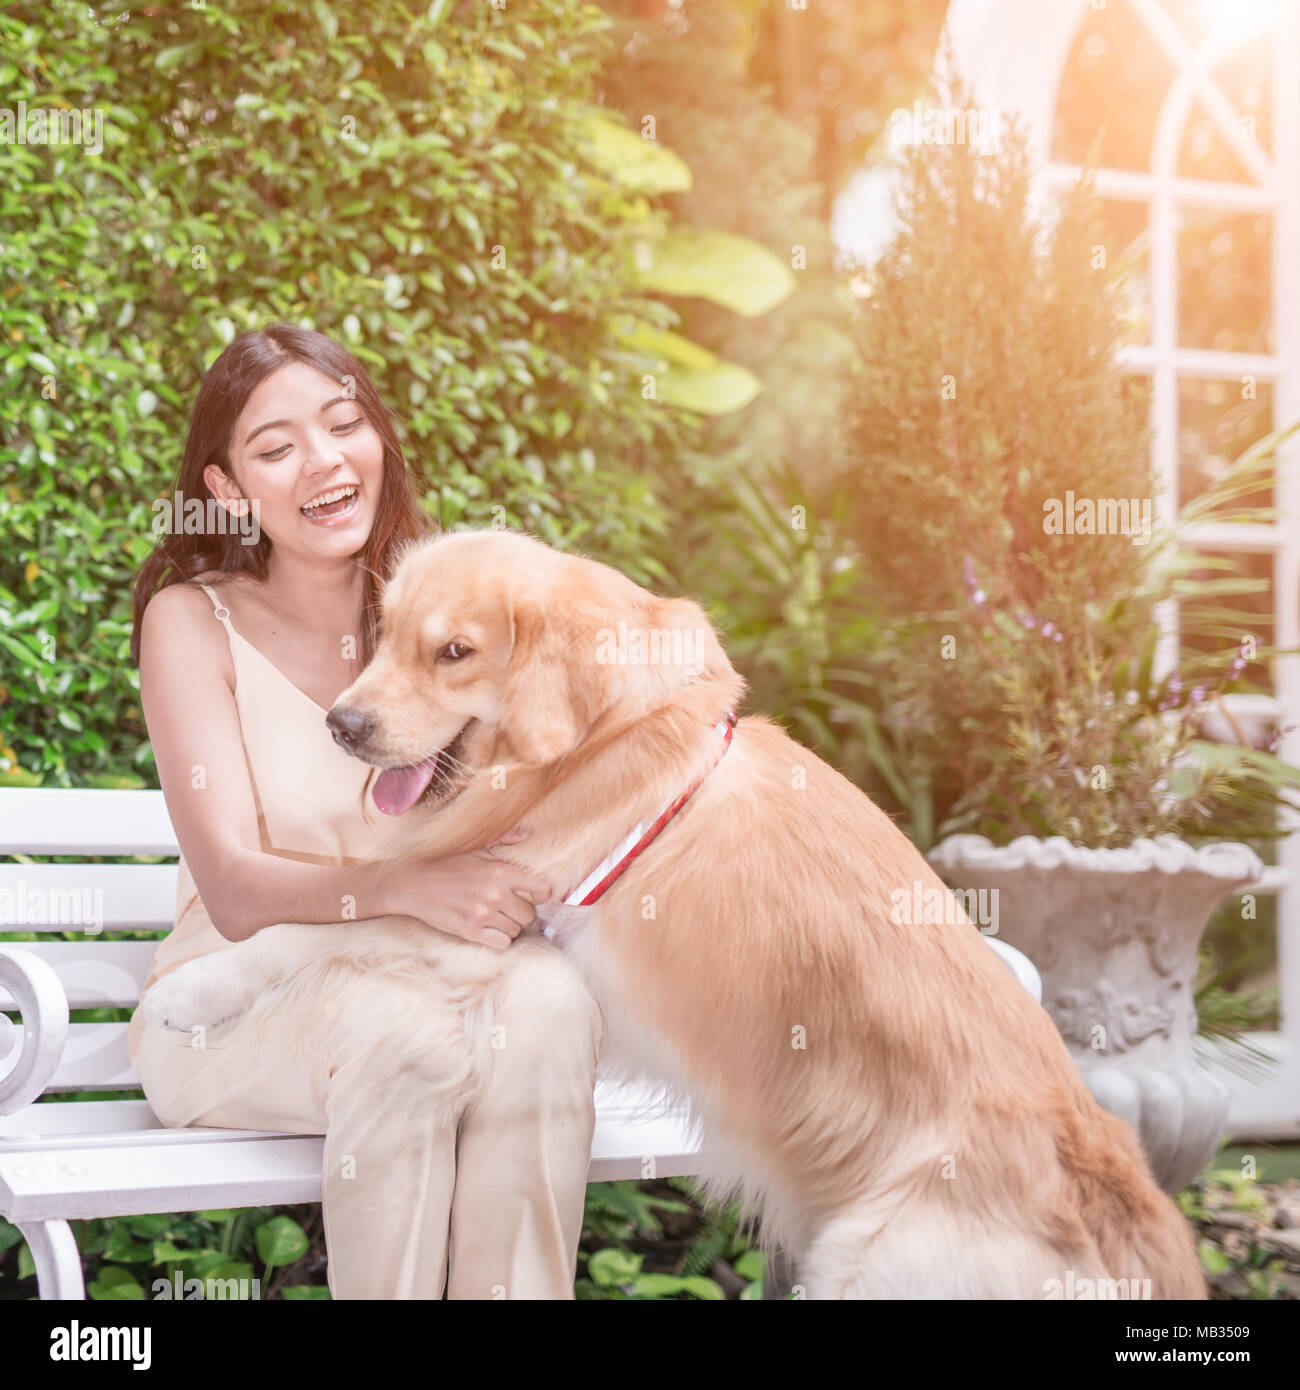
point(617, 861)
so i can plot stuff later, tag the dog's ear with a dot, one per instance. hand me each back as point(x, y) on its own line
point(554, 689)
point(696, 654)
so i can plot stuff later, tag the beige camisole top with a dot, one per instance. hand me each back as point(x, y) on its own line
point(310, 795)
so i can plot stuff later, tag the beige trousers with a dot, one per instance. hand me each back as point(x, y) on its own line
point(487, 1202)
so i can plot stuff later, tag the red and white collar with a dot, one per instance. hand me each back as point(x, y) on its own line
point(620, 858)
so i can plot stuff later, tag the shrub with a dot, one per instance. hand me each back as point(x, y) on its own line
point(1018, 685)
point(416, 186)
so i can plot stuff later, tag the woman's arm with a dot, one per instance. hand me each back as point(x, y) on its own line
point(186, 691)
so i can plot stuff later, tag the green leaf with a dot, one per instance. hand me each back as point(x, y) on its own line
point(726, 269)
point(115, 1284)
point(165, 1251)
point(19, 777)
point(147, 1227)
point(437, 11)
point(121, 1246)
point(18, 649)
point(281, 1241)
point(722, 390)
point(170, 58)
point(235, 1277)
point(661, 344)
point(634, 163)
point(614, 1266)
point(657, 1284)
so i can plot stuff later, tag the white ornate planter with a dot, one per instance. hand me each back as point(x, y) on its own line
point(1114, 934)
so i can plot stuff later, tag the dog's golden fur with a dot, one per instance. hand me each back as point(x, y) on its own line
point(905, 1115)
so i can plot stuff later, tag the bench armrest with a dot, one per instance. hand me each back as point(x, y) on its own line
point(1020, 966)
point(44, 1009)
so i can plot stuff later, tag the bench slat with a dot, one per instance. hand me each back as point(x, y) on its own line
point(95, 1059)
point(127, 897)
point(62, 820)
point(94, 974)
point(135, 1170)
point(145, 1177)
point(98, 1122)
point(104, 1124)
point(83, 1118)
point(133, 1179)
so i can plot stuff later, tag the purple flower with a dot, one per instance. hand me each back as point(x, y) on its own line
point(1198, 695)
point(1278, 735)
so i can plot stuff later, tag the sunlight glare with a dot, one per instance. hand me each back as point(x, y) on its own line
point(1247, 16)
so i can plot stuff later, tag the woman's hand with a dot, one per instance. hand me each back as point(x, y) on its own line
point(475, 896)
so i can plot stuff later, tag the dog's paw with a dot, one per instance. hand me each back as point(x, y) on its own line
point(195, 995)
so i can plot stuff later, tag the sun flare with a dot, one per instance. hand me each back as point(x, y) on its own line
point(1247, 16)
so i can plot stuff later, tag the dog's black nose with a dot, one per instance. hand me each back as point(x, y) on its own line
point(350, 728)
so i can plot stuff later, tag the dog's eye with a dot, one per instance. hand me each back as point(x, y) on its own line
point(456, 651)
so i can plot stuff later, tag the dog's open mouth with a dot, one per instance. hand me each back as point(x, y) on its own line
point(397, 789)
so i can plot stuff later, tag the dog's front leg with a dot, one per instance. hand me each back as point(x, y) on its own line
point(205, 992)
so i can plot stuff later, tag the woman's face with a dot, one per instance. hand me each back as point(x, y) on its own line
point(310, 459)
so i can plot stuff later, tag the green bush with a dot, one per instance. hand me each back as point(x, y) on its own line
point(416, 186)
point(987, 383)
point(1016, 682)
point(229, 1254)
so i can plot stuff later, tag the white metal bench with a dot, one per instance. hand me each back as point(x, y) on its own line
point(77, 1160)
point(74, 1160)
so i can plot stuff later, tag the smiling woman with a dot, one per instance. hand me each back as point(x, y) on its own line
point(254, 457)
point(425, 1153)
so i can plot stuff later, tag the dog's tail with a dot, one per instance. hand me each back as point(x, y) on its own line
point(1138, 1230)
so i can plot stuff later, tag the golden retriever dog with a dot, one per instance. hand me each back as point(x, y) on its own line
point(900, 1110)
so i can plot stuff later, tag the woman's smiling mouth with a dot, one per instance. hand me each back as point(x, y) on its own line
point(334, 506)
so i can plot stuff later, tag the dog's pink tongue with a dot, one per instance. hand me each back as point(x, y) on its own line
point(398, 789)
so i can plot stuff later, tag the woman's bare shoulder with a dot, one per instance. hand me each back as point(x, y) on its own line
point(187, 596)
point(219, 581)
point(182, 618)
point(179, 602)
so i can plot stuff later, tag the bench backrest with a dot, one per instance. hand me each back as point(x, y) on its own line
point(100, 970)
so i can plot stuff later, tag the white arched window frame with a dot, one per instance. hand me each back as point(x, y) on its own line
point(1012, 54)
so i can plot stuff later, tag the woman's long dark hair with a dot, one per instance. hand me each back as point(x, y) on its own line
point(222, 396)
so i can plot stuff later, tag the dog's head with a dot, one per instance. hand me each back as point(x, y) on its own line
point(493, 645)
